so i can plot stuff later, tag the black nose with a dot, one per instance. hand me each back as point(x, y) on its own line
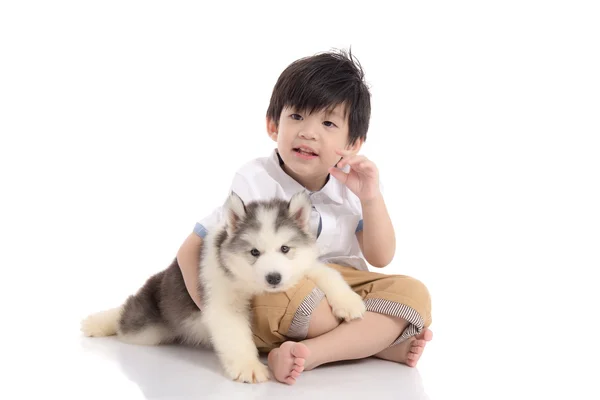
point(274, 278)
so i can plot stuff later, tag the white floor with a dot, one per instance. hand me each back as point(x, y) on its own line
point(45, 356)
point(171, 372)
point(73, 366)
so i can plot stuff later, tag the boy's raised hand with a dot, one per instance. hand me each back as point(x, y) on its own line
point(363, 178)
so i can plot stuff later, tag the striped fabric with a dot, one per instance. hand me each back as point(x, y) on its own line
point(299, 326)
point(387, 307)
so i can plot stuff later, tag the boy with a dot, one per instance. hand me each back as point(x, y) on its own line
point(319, 115)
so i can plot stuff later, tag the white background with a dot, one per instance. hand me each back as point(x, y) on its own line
point(122, 123)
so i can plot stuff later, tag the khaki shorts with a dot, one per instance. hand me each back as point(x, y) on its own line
point(278, 317)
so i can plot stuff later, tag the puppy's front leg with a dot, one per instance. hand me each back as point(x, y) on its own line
point(345, 304)
point(231, 338)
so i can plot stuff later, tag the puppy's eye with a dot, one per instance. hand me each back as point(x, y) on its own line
point(284, 249)
point(255, 252)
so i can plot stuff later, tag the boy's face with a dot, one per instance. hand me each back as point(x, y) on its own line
point(307, 143)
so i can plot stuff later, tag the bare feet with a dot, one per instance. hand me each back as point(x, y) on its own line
point(409, 351)
point(287, 362)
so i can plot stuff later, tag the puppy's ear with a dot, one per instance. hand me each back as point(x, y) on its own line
point(299, 209)
point(235, 211)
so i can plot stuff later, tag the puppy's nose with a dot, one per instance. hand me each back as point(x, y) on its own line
point(274, 278)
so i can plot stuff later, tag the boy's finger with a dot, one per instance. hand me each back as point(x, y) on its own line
point(352, 161)
point(343, 162)
point(342, 153)
point(338, 174)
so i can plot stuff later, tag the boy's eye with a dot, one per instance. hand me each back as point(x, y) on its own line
point(329, 124)
point(297, 117)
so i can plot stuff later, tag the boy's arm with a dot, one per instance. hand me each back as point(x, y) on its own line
point(377, 240)
point(188, 258)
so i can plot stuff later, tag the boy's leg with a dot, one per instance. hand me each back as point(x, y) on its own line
point(370, 336)
point(323, 322)
point(408, 352)
point(349, 341)
point(398, 310)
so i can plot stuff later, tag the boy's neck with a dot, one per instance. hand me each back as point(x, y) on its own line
point(311, 185)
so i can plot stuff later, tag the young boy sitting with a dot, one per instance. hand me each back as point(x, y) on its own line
point(319, 116)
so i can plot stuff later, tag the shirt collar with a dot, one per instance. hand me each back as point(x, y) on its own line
point(333, 188)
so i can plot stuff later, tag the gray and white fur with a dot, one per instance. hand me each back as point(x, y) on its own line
point(262, 246)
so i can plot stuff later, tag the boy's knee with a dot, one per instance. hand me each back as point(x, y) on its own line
point(272, 313)
point(406, 290)
point(418, 291)
point(421, 298)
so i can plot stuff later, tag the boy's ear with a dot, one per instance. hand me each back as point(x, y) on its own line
point(272, 129)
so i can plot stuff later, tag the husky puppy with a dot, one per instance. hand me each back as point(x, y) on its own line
point(262, 246)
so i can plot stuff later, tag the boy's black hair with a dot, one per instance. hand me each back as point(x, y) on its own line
point(321, 82)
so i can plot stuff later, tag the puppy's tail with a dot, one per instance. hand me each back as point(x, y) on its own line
point(103, 323)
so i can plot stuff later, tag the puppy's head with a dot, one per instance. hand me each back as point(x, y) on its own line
point(268, 244)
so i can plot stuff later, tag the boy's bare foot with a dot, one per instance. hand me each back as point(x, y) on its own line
point(409, 351)
point(287, 362)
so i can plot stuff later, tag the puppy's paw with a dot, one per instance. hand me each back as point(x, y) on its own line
point(247, 371)
point(347, 305)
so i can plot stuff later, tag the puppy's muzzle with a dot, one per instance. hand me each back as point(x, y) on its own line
point(273, 278)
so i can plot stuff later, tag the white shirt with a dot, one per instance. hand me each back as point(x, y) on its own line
point(335, 218)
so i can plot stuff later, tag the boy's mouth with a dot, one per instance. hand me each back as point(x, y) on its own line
point(305, 151)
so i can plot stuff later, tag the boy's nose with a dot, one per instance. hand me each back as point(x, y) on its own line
point(307, 134)
point(310, 129)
